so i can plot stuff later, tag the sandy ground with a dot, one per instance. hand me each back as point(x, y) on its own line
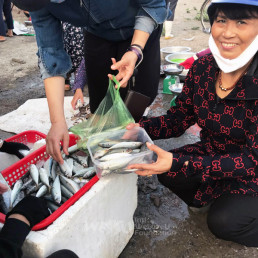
point(164, 227)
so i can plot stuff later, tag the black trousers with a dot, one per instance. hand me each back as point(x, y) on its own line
point(63, 254)
point(232, 217)
point(5, 8)
point(98, 53)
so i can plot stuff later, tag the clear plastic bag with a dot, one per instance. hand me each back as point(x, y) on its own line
point(112, 114)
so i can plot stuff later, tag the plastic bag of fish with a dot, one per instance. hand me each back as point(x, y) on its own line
point(50, 180)
point(113, 151)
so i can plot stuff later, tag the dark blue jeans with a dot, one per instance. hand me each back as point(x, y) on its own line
point(5, 7)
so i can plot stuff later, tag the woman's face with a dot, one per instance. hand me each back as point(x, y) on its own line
point(232, 37)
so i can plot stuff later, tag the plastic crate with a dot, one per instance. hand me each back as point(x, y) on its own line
point(136, 134)
point(27, 137)
point(20, 168)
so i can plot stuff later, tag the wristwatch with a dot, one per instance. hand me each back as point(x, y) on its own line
point(1, 143)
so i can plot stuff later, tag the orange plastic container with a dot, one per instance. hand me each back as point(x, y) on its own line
point(20, 168)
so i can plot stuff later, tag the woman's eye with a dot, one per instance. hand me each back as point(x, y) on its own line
point(221, 20)
point(241, 22)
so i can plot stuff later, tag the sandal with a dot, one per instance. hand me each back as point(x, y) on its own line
point(2, 39)
point(67, 85)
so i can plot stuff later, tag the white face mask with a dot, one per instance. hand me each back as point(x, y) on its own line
point(231, 65)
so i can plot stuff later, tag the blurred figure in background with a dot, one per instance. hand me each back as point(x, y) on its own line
point(5, 8)
point(168, 24)
point(73, 44)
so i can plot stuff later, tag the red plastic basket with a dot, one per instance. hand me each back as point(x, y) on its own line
point(20, 168)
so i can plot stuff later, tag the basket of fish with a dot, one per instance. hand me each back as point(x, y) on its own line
point(113, 151)
point(61, 185)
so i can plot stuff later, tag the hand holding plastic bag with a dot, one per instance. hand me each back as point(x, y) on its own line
point(111, 114)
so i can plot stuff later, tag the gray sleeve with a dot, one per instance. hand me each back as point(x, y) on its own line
point(145, 23)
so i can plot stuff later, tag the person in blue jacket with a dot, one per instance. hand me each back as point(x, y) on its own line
point(117, 36)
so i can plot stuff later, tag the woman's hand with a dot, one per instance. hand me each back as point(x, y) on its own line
point(58, 132)
point(162, 165)
point(78, 95)
point(125, 68)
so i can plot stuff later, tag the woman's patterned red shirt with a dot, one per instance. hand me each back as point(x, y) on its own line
point(226, 157)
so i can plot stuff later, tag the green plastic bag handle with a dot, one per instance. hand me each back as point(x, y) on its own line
point(116, 82)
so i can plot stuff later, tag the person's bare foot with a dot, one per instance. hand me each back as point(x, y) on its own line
point(9, 33)
point(2, 38)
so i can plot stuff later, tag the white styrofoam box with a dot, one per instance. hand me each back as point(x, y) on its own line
point(99, 224)
point(135, 134)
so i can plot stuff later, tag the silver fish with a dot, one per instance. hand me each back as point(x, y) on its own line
point(48, 165)
point(70, 163)
point(73, 148)
point(124, 171)
point(43, 175)
point(65, 192)
point(100, 153)
point(115, 163)
point(34, 173)
point(66, 170)
point(114, 156)
point(90, 173)
point(130, 145)
point(83, 171)
point(42, 191)
point(69, 184)
point(33, 188)
point(56, 190)
point(79, 180)
point(54, 169)
point(27, 184)
point(64, 199)
point(53, 207)
point(108, 143)
point(15, 191)
point(19, 197)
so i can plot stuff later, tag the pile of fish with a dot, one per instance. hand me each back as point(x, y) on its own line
point(53, 181)
point(113, 156)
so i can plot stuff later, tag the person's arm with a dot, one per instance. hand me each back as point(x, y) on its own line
point(149, 16)
point(54, 87)
point(54, 63)
point(19, 221)
point(178, 118)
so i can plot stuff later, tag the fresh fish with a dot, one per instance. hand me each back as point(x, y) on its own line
point(70, 162)
point(27, 184)
point(24, 152)
point(130, 145)
point(115, 163)
point(53, 207)
point(114, 156)
point(43, 175)
point(33, 189)
point(124, 171)
point(100, 153)
point(108, 143)
point(66, 170)
point(90, 173)
point(48, 197)
point(136, 151)
point(15, 191)
point(65, 192)
point(83, 171)
point(48, 165)
point(34, 173)
point(69, 184)
point(73, 148)
point(77, 167)
point(3, 206)
point(56, 190)
point(64, 199)
point(79, 180)
point(19, 197)
point(42, 191)
point(54, 169)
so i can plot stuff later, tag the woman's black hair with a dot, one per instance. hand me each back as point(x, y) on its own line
point(232, 11)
